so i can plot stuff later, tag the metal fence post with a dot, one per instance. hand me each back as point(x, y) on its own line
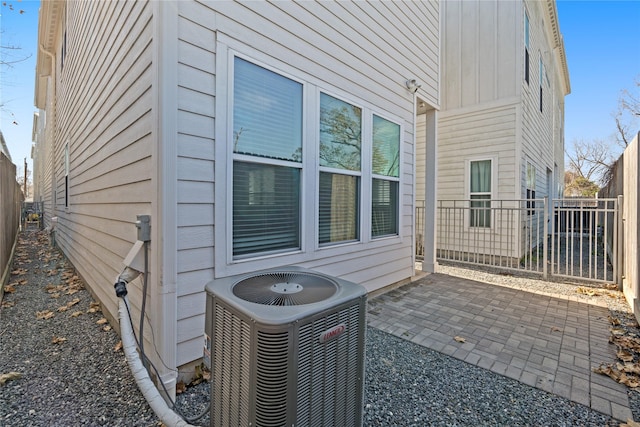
point(620, 246)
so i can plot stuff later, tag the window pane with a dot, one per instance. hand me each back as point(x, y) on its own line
point(340, 134)
point(386, 147)
point(266, 208)
point(480, 211)
point(481, 176)
point(339, 213)
point(384, 209)
point(531, 176)
point(267, 113)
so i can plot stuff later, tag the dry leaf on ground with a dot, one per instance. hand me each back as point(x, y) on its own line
point(76, 314)
point(624, 355)
point(180, 387)
point(118, 346)
point(73, 302)
point(9, 289)
point(556, 329)
point(614, 321)
point(94, 307)
point(107, 328)
point(459, 339)
point(7, 304)
point(9, 376)
point(58, 340)
point(588, 291)
point(46, 314)
point(102, 321)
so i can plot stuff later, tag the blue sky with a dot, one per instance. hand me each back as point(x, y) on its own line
point(602, 43)
point(17, 82)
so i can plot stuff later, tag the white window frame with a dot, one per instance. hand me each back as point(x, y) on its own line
point(310, 249)
point(467, 189)
point(530, 186)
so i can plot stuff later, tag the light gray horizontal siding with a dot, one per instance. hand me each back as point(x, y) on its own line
point(368, 49)
point(102, 110)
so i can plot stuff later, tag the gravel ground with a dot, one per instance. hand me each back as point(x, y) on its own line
point(72, 374)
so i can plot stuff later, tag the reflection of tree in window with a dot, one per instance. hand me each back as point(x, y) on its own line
point(340, 150)
point(386, 169)
point(267, 113)
point(340, 134)
point(386, 147)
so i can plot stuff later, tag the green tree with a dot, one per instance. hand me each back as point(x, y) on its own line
point(579, 186)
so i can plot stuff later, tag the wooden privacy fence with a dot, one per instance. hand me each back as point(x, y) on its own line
point(561, 237)
point(10, 205)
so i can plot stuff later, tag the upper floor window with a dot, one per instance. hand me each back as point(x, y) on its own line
point(480, 193)
point(526, 47)
point(542, 73)
point(66, 175)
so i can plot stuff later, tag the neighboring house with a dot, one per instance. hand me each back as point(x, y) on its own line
point(254, 134)
point(500, 126)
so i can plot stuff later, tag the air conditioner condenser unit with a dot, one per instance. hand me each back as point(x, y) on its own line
point(286, 348)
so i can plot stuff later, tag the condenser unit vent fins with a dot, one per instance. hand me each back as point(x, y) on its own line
point(285, 288)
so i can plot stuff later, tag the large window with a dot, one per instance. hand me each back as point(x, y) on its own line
point(480, 193)
point(267, 147)
point(310, 169)
point(340, 159)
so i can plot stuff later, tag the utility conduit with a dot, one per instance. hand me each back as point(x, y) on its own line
point(146, 386)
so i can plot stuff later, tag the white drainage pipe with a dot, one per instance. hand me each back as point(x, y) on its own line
point(146, 386)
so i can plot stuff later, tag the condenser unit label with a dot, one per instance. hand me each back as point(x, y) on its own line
point(332, 333)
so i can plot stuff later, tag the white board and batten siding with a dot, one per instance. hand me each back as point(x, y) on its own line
point(361, 50)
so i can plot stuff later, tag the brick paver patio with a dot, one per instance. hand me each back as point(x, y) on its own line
point(546, 342)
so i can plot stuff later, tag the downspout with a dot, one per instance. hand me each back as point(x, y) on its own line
point(163, 260)
point(50, 122)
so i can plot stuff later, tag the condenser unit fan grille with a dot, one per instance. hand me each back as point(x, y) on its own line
point(285, 288)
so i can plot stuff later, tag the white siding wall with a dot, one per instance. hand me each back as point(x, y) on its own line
point(488, 107)
point(105, 110)
point(481, 132)
point(480, 52)
point(364, 49)
point(543, 132)
point(195, 151)
point(537, 126)
point(101, 110)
